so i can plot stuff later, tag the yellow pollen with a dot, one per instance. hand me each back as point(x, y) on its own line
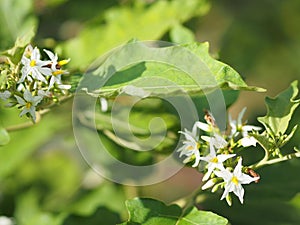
point(235, 180)
point(214, 160)
point(28, 105)
point(57, 72)
point(32, 63)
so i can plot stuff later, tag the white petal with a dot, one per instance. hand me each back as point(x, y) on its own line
point(248, 141)
point(224, 157)
point(20, 100)
point(240, 116)
point(208, 184)
point(239, 191)
point(203, 126)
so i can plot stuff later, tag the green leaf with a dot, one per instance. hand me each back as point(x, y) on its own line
point(4, 137)
point(23, 143)
point(195, 216)
point(162, 71)
point(15, 53)
point(107, 194)
point(153, 212)
point(16, 20)
point(180, 34)
point(120, 24)
point(280, 110)
point(28, 211)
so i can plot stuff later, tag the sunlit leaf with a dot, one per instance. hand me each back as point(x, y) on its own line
point(280, 110)
point(152, 212)
point(162, 71)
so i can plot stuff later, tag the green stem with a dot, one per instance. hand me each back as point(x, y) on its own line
point(273, 161)
point(27, 124)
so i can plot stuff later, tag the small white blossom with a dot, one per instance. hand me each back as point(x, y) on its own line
point(217, 140)
point(33, 66)
point(190, 147)
point(237, 127)
point(5, 95)
point(6, 221)
point(29, 102)
point(214, 161)
point(234, 180)
point(55, 66)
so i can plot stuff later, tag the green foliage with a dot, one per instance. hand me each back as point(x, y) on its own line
point(151, 212)
point(174, 74)
point(120, 24)
point(181, 35)
point(13, 154)
point(280, 110)
point(16, 20)
point(28, 211)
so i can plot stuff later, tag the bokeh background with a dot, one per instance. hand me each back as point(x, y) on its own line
point(42, 173)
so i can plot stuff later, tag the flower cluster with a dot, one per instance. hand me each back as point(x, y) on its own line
point(35, 83)
point(216, 154)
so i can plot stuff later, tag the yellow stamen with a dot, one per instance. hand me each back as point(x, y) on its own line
point(214, 160)
point(32, 63)
point(28, 105)
point(235, 180)
point(57, 72)
point(63, 62)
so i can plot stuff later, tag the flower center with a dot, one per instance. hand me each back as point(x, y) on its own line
point(32, 63)
point(190, 147)
point(214, 160)
point(28, 105)
point(235, 180)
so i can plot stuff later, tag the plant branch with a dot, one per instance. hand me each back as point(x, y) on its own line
point(273, 161)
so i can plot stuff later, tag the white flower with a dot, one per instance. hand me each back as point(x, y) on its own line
point(5, 221)
point(56, 70)
point(217, 140)
point(214, 161)
point(29, 102)
point(33, 66)
point(5, 95)
point(190, 146)
point(234, 180)
point(237, 127)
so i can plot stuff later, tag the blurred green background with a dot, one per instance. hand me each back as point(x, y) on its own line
point(44, 180)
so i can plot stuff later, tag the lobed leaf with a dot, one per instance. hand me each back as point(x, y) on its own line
point(280, 110)
point(162, 71)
